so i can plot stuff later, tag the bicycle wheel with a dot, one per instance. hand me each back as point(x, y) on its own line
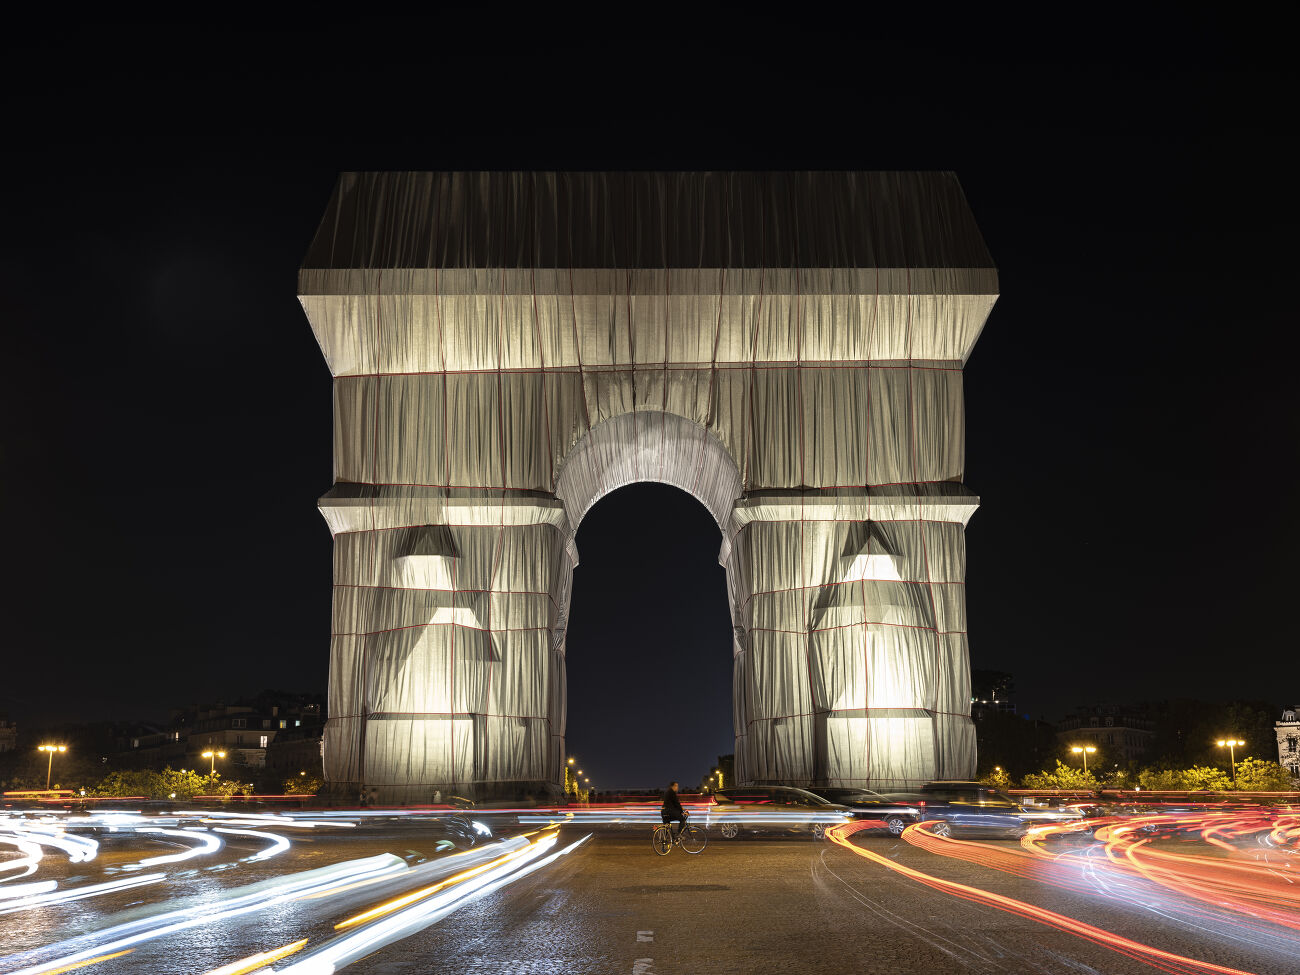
point(662, 840)
point(693, 839)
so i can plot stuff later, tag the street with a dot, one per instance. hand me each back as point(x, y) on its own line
point(435, 893)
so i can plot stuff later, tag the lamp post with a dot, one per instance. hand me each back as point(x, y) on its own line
point(1232, 744)
point(49, 766)
point(1084, 750)
point(212, 769)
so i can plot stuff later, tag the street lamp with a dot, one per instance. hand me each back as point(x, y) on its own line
point(212, 770)
point(1085, 750)
point(1232, 744)
point(49, 766)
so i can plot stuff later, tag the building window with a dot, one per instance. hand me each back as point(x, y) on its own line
point(1291, 743)
point(239, 739)
point(262, 741)
point(284, 723)
point(135, 742)
point(266, 722)
point(296, 722)
point(239, 723)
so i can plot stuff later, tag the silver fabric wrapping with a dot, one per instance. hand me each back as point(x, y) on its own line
point(509, 348)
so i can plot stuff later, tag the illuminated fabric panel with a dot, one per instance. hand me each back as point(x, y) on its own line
point(508, 348)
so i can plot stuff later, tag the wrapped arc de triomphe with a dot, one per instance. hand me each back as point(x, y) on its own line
point(507, 348)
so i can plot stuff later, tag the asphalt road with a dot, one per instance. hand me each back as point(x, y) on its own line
point(781, 906)
point(613, 906)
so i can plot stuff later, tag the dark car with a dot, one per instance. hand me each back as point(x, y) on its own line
point(967, 808)
point(890, 814)
point(773, 809)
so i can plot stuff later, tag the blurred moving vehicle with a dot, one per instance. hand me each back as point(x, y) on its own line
point(965, 808)
point(867, 805)
point(774, 809)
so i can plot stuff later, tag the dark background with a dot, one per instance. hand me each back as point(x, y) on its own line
point(166, 411)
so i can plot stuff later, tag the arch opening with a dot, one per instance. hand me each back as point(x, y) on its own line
point(649, 646)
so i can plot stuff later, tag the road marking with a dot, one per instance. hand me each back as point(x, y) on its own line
point(643, 966)
point(645, 936)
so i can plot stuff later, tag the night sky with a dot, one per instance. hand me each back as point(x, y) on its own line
point(1130, 417)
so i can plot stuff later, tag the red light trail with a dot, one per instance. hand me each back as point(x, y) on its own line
point(1021, 863)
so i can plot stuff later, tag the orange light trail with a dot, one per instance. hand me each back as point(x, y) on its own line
point(253, 962)
point(1158, 958)
point(406, 899)
point(88, 961)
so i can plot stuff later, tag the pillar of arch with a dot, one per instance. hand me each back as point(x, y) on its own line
point(507, 348)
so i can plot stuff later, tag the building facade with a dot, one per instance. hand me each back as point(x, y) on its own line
point(246, 733)
point(1288, 741)
point(1120, 733)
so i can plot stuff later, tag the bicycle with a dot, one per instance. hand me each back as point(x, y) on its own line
point(690, 838)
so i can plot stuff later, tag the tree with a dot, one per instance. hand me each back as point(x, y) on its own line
point(168, 784)
point(1159, 779)
point(1198, 778)
point(1259, 775)
point(300, 784)
point(1064, 777)
point(1206, 778)
point(132, 782)
point(997, 778)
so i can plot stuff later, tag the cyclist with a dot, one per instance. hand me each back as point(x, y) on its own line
point(671, 811)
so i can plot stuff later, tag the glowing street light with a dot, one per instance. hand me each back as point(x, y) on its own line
point(49, 766)
point(1085, 750)
point(212, 770)
point(1231, 744)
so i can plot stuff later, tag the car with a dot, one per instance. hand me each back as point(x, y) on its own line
point(870, 806)
point(774, 809)
point(963, 807)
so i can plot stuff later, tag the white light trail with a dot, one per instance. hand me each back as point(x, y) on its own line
point(26, 890)
point(79, 893)
point(32, 855)
point(280, 844)
point(78, 848)
point(347, 948)
point(265, 897)
point(208, 844)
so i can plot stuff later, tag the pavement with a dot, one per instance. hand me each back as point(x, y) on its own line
point(779, 906)
point(745, 905)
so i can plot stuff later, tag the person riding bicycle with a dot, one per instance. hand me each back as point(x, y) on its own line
point(671, 811)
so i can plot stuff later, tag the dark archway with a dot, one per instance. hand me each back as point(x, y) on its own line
point(654, 705)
